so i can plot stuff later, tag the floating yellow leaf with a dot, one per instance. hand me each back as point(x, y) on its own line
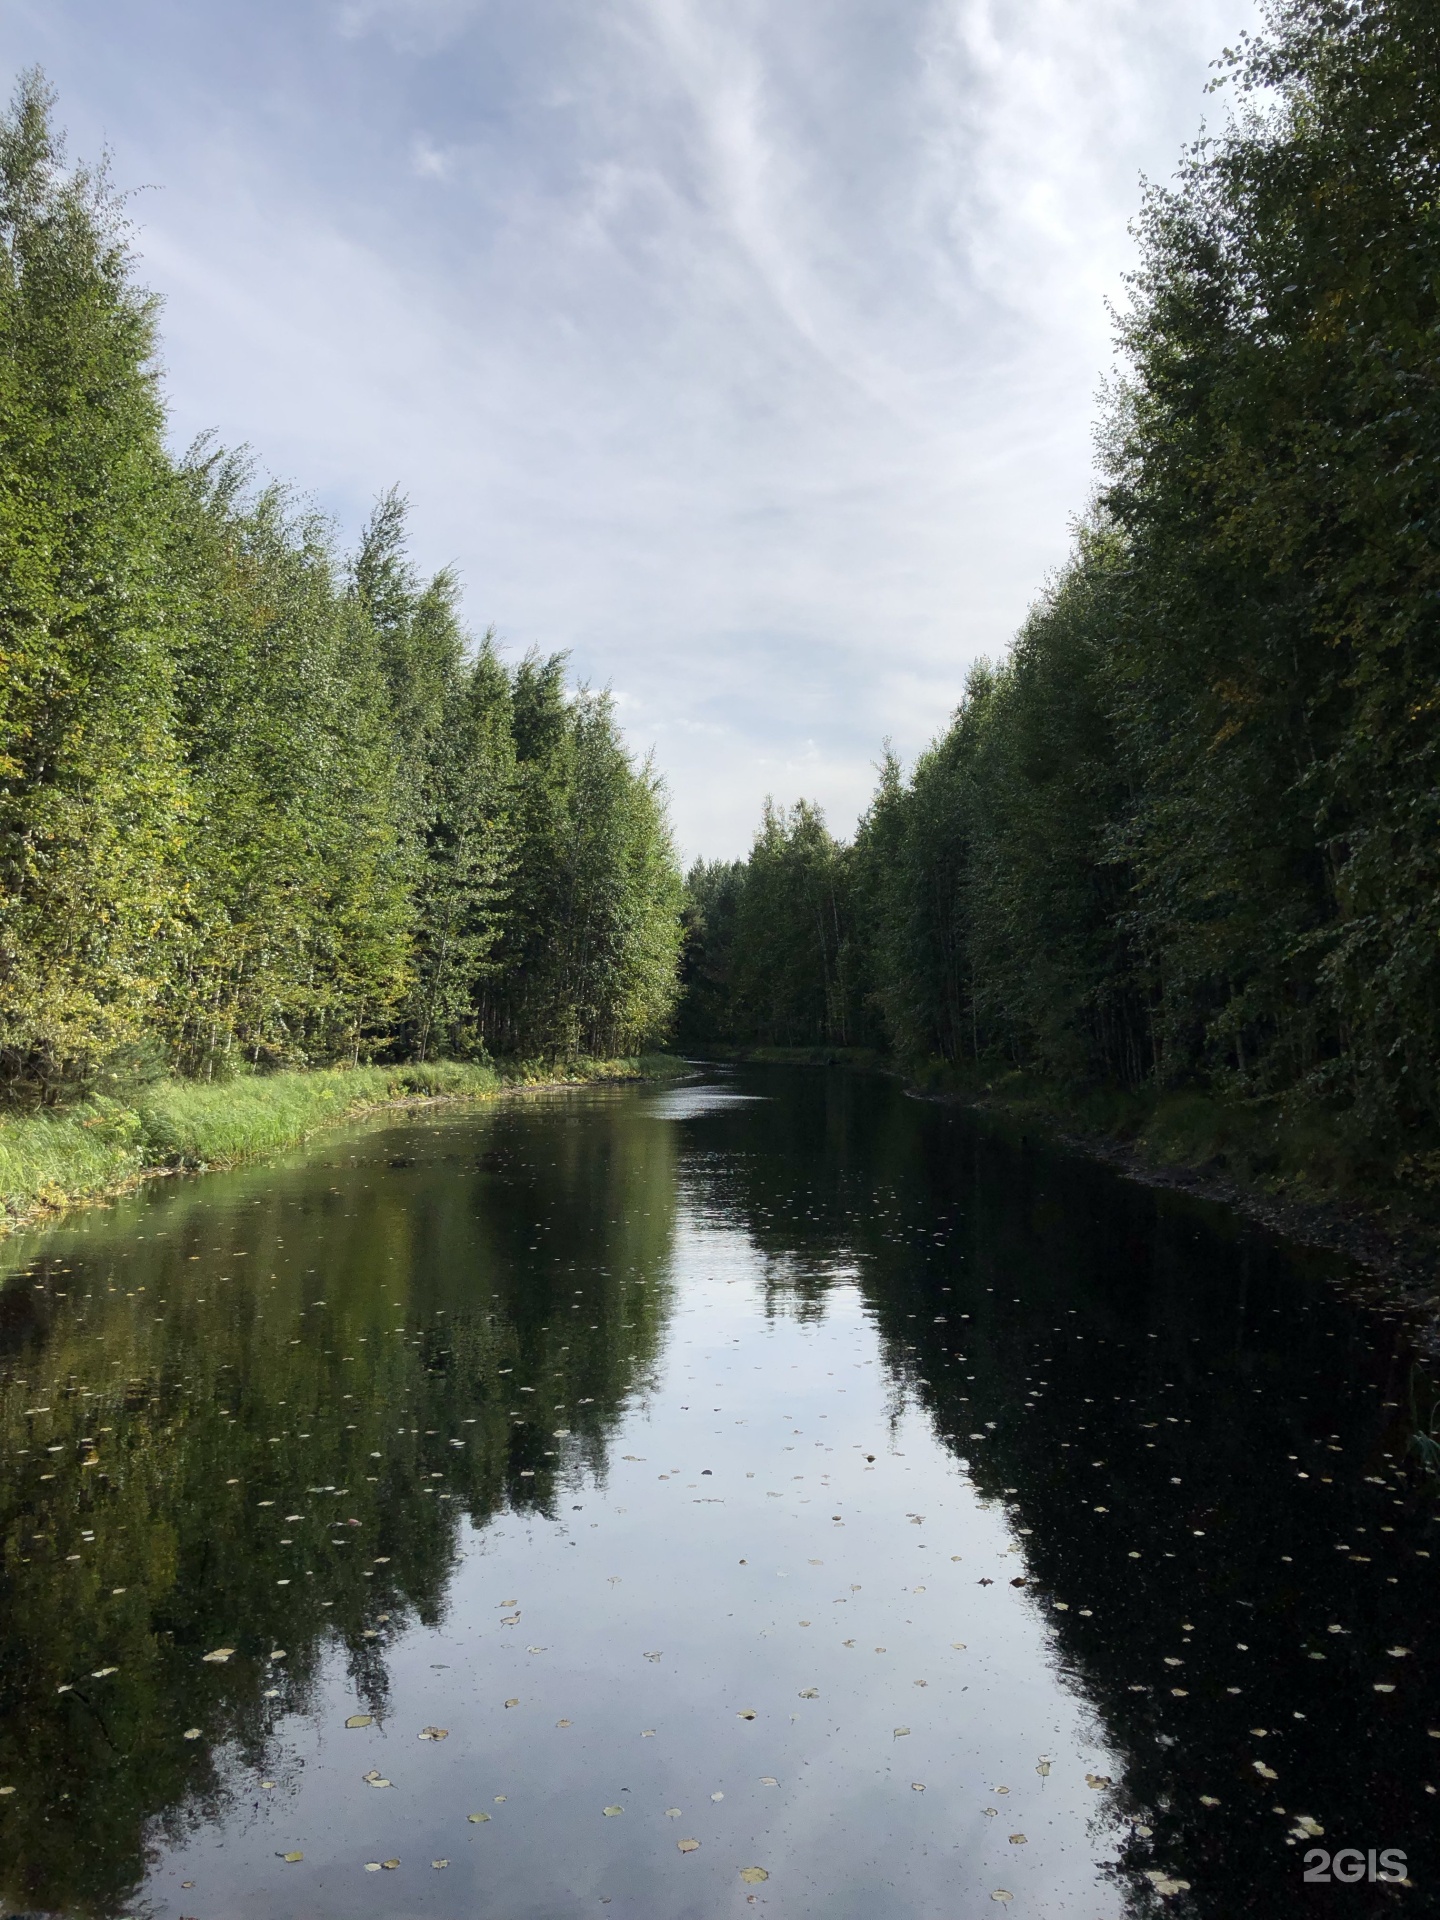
point(292, 1857)
point(687, 1846)
point(475, 1819)
point(1003, 1894)
point(746, 1713)
point(191, 1733)
point(389, 1865)
point(1018, 1840)
point(439, 1863)
point(512, 1703)
point(219, 1655)
point(766, 1780)
point(752, 1876)
point(361, 1720)
point(433, 1733)
point(610, 1812)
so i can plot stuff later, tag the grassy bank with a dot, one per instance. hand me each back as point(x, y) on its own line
point(52, 1160)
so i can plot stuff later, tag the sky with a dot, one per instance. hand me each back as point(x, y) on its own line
point(749, 353)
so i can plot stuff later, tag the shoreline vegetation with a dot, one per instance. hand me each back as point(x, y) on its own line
point(104, 1146)
point(263, 799)
point(1170, 873)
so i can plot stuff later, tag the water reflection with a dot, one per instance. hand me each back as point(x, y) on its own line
point(903, 1509)
point(255, 1415)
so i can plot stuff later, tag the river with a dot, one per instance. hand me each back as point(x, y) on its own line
point(765, 1493)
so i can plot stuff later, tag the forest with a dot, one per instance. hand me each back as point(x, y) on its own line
point(264, 803)
point(1186, 834)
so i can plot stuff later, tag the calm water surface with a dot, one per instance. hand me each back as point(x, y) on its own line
point(769, 1493)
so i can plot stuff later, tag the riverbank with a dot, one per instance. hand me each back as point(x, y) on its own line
point(1311, 1183)
point(51, 1161)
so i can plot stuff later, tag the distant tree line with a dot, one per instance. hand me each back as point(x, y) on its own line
point(1188, 832)
point(260, 803)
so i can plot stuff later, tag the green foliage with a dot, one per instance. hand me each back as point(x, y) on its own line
point(1187, 835)
point(91, 796)
point(770, 954)
point(261, 805)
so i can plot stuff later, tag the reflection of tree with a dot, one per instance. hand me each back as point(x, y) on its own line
point(211, 1397)
point(1102, 1322)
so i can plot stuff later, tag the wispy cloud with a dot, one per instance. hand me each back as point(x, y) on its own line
point(748, 351)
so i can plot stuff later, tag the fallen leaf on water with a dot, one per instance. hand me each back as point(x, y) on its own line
point(535, 1649)
point(1265, 1773)
point(219, 1655)
point(1163, 1884)
point(361, 1720)
point(1042, 1767)
point(809, 1693)
point(512, 1703)
point(766, 1780)
point(610, 1812)
point(1208, 1800)
point(389, 1865)
point(292, 1857)
point(476, 1819)
point(717, 1796)
point(917, 1786)
point(374, 1778)
point(1383, 1686)
point(746, 1713)
point(1018, 1840)
point(1099, 1780)
point(1397, 1653)
point(688, 1846)
point(4, 1790)
point(439, 1863)
point(752, 1876)
point(103, 1673)
point(191, 1733)
point(959, 1645)
point(1307, 1828)
point(562, 1723)
point(433, 1733)
point(1002, 1894)
point(372, 1866)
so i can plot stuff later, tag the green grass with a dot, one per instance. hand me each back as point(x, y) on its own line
point(51, 1160)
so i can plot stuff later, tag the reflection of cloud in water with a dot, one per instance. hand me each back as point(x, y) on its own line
point(692, 1103)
